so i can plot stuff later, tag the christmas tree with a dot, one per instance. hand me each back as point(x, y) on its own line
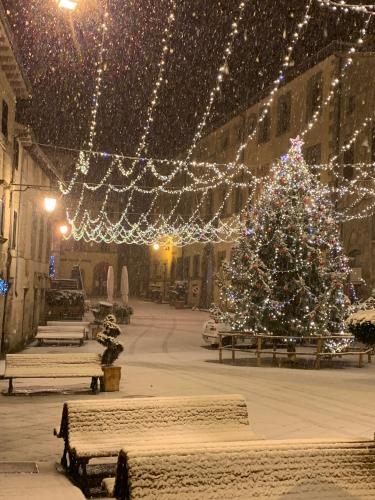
point(288, 269)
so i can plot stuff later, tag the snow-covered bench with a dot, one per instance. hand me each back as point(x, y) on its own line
point(53, 366)
point(85, 324)
point(65, 337)
point(101, 428)
point(242, 470)
point(62, 333)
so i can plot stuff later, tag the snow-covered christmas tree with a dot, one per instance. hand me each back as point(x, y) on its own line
point(288, 269)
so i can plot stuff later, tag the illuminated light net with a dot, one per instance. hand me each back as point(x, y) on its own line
point(184, 186)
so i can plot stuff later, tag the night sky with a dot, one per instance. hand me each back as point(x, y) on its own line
point(59, 53)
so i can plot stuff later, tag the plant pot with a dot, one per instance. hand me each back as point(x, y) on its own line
point(110, 382)
point(179, 304)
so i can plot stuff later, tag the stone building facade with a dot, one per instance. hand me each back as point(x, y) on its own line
point(294, 104)
point(25, 231)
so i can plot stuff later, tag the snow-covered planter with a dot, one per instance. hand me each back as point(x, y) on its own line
point(65, 298)
point(122, 314)
point(108, 338)
point(362, 325)
point(65, 304)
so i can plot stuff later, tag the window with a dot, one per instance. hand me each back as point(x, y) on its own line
point(237, 134)
point(4, 119)
point(224, 201)
point(179, 268)
point(237, 200)
point(186, 270)
point(221, 256)
point(41, 238)
point(314, 95)
point(34, 231)
point(284, 105)
point(210, 202)
point(350, 105)
point(2, 217)
point(16, 154)
point(224, 141)
point(14, 231)
point(264, 125)
point(196, 265)
point(173, 270)
point(313, 155)
point(251, 123)
point(348, 159)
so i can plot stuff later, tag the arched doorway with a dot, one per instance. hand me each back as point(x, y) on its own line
point(99, 286)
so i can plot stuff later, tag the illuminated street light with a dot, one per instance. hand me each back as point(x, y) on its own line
point(156, 246)
point(50, 204)
point(64, 229)
point(67, 4)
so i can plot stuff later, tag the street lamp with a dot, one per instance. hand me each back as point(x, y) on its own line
point(50, 204)
point(156, 246)
point(67, 4)
point(64, 229)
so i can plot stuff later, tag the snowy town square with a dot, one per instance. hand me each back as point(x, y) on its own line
point(187, 257)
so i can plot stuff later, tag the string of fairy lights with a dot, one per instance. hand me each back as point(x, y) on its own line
point(179, 192)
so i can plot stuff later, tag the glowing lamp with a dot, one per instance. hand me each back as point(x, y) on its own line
point(156, 246)
point(67, 4)
point(50, 204)
point(64, 229)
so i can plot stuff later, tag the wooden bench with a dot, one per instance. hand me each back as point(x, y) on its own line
point(65, 337)
point(64, 333)
point(85, 324)
point(300, 469)
point(53, 366)
point(101, 428)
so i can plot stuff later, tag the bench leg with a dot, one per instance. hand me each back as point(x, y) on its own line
point(10, 387)
point(63, 460)
point(94, 385)
point(84, 480)
point(360, 361)
point(369, 357)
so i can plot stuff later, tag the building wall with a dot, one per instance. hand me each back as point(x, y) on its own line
point(93, 261)
point(334, 126)
point(29, 244)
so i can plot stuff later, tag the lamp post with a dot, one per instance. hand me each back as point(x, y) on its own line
point(67, 4)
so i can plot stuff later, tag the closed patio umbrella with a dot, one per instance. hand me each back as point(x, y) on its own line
point(125, 286)
point(110, 284)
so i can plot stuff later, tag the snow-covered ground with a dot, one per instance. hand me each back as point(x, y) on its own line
point(164, 356)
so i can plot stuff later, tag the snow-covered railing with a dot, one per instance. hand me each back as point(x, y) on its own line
point(257, 346)
point(243, 470)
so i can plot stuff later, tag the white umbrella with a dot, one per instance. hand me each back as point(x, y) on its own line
point(110, 284)
point(125, 285)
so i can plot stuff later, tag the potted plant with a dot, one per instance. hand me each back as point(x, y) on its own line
point(180, 292)
point(122, 314)
point(110, 381)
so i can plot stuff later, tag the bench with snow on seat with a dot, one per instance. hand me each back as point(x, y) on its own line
point(66, 334)
point(303, 469)
point(101, 428)
point(53, 366)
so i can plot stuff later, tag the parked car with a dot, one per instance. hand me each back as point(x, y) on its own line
point(211, 329)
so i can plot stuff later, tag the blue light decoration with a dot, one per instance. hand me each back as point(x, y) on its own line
point(52, 266)
point(4, 287)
